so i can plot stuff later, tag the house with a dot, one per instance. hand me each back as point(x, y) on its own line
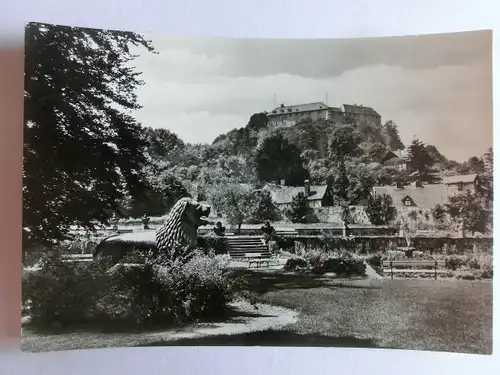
point(459, 184)
point(317, 195)
point(290, 115)
point(395, 160)
point(414, 195)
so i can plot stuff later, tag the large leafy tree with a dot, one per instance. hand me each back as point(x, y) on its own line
point(233, 201)
point(277, 159)
point(470, 210)
point(83, 150)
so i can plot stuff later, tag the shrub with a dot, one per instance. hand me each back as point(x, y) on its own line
point(155, 291)
point(62, 293)
point(454, 262)
point(295, 263)
point(345, 267)
point(213, 242)
point(376, 262)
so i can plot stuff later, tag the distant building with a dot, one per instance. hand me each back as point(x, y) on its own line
point(429, 195)
point(284, 116)
point(396, 160)
point(414, 195)
point(317, 195)
point(365, 115)
point(459, 184)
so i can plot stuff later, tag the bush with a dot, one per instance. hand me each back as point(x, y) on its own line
point(345, 267)
point(62, 293)
point(213, 242)
point(189, 289)
point(295, 263)
point(376, 262)
point(454, 262)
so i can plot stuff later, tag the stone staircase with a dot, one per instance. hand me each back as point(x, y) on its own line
point(243, 247)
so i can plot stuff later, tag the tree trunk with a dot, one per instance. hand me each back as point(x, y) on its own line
point(239, 228)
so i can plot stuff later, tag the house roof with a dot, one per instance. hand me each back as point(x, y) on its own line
point(299, 108)
point(285, 194)
point(466, 178)
point(426, 197)
point(360, 110)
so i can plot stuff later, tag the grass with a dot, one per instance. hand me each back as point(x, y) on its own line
point(420, 314)
point(442, 315)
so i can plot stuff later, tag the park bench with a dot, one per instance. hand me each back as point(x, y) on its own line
point(257, 259)
point(414, 266)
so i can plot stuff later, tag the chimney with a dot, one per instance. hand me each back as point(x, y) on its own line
point(282, 182)
point(418, 184)
point(307, 188)
point(399, 185)
point(282, 105)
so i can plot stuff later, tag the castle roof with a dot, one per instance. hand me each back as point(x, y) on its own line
point(299, 108)
point(360, 110)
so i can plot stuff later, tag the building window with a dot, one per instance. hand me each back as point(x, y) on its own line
point(407, 202)
point(460, 186)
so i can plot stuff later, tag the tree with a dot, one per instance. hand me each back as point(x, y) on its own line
point(391, 135)
point(468, 209)
point(235, 202)
point(163, 144)
point(160, 196)
point(258, 121)
point(476, 165)
point(488, 160)
point(344, 148)
point(438, 213)
point(420, 161)
point(265, 209)
point(277, 159)
point(300, 211)
point(344, 142)
point(380, 209)
point(83, 151)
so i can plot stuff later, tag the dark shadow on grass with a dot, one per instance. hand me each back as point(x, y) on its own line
point(104, 326)
point(271, 338)
point(260, 282)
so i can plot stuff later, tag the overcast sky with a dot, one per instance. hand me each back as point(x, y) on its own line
point(437, 87)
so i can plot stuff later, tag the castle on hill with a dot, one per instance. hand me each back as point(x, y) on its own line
point(284, 116)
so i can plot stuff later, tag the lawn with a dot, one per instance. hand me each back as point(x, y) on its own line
point(422, 314)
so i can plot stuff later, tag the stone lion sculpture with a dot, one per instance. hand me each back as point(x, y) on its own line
point(180, 229)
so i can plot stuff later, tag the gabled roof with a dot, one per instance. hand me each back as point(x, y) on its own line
point(425, 197)
point(466, 178)
point(299, 108)
point(285, 194)
point(394, 158)
point(360, 110)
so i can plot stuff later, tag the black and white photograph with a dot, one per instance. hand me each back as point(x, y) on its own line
point(216, 191)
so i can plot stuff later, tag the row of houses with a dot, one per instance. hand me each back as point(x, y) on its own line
point(415, 195)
